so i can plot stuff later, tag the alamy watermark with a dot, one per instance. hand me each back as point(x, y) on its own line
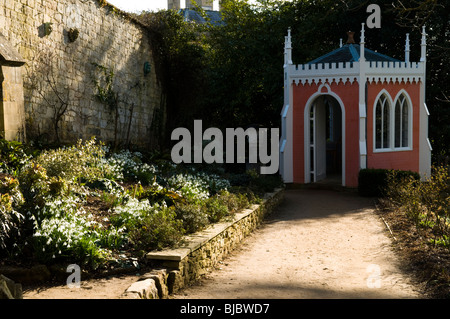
point(192, 149)
point(74, 280)
point(374, 19)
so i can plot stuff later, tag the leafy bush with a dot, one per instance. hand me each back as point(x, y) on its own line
point(10, 201)
point(157, 230)
point(373, 182)
point(132, 212)
point(12, 156)
point(426, 203)
point(34, 185)
point(158, 194)
point(216, 209)
point(113, 237)
point(193, 216)
point(9, 218)
point(254, 182)
point(81, 161)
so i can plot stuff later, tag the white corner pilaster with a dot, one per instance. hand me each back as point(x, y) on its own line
point(286, 143)
point(362, 104)
point(424, 146)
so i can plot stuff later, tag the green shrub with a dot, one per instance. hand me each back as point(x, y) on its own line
point(11, 200)
point(112, 237)
point(216, 209)
point(131, 213)
point(373, 182)
point(158, 194)
point(254, 182)
point(193, 216)
point(12, 156)
point(9, 218)
point(426, 203)
point(81, 161)
point(157, 230)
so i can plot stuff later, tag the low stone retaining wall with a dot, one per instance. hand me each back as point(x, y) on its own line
point(176, 268)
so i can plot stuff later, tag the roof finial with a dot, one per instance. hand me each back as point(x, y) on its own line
point(350, 39)
point(407, 50)
point(340, 42)
point(362, 34)
point(423, 45)
point(288, 48)
point(361, 45)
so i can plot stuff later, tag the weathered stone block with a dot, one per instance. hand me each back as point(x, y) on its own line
point(9, 289)
point(146, 289)
point(160, 278)
point(175, 281)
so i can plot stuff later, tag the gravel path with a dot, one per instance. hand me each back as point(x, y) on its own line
point(317, 244)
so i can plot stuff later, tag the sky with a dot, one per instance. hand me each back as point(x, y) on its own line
point(139, 5)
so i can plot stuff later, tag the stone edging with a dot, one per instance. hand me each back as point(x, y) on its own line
point(176, 268)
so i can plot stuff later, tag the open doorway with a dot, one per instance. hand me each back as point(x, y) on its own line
point(325, 136)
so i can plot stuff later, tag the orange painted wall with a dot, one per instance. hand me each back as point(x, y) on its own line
point(348, 93)
point(404, 160)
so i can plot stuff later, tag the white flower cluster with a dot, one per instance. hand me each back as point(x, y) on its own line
point(128, 164)
point(189, 186)
point(135, 210)
point(61, 225)
point(197, 185)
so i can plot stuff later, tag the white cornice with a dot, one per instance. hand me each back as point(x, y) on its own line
point(350, 71)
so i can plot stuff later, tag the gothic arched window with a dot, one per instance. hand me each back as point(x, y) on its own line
point(402, 122)
point(382, 123)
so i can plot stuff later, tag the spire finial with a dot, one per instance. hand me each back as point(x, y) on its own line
point(424, 36)
point(362, 34)
point(362, 58)
point(288, 48)
point(423, 46)
point(407, 50)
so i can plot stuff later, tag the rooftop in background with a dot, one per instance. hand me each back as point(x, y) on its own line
point(213, 17)
point(191, 4)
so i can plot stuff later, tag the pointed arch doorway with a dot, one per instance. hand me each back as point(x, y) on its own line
point(325, 139)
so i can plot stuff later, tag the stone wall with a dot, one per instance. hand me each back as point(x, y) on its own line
point(67, 45)
point(205, 249)
point(12, 113)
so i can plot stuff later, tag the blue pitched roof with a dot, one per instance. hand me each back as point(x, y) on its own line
point(350, 53)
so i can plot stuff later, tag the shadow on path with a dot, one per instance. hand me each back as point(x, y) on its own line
point(316, 244)
point(302, 204)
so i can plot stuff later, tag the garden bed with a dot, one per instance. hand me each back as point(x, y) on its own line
point(105, 210)
point(418, 216)
point(429, 264)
